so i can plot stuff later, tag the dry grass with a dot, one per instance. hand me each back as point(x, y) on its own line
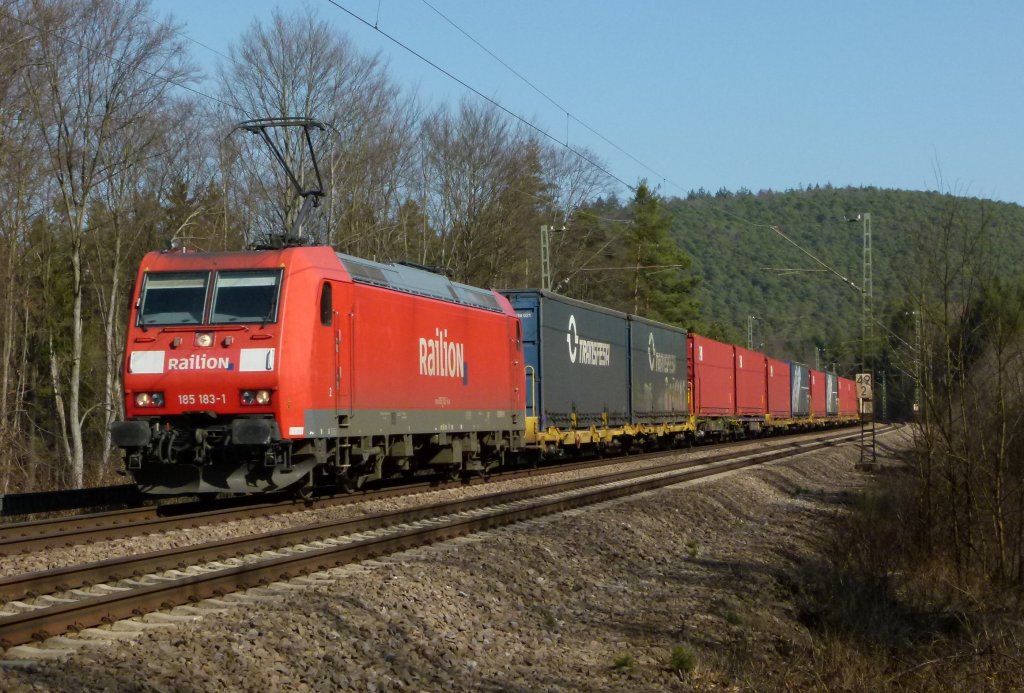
point(883, 614)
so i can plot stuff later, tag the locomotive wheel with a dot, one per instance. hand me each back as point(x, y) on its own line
point(345, 481)
point(304, 490)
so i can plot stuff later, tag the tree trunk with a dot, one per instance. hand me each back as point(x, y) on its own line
point(112, 405)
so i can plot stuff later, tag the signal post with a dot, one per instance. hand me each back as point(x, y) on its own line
point(865, 396)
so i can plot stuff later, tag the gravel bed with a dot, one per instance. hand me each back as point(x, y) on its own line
point(63, 556)
point(594, 599)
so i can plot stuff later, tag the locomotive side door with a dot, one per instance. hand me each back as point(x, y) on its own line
point(517, 367)
point(330, 383)
point(343, 345)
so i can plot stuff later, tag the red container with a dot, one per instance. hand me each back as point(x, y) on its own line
point(712, 376)
point(818, 396)
point(751, 383)
point(780, 404)
point(847, 397)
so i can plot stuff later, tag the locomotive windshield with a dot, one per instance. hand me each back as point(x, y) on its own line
point(180, 298)
point(245, 296)
point(173, 298)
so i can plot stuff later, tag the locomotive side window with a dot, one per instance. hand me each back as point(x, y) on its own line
point(245, 296)
point(326, 306)
point(173, 298)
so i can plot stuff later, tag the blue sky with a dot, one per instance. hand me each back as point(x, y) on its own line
point(763, 95)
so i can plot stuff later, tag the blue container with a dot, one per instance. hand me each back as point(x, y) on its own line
point(577, 361)
point(657, 372)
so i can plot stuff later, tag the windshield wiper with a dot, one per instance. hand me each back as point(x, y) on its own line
point(270, 312)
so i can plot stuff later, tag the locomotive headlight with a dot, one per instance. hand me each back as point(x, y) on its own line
point(255, 397)
point(149, 399)
point(204, 339)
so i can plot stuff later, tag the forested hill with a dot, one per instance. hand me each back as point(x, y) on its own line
point(747, 269)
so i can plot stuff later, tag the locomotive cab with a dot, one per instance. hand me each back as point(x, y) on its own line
point(202, 390)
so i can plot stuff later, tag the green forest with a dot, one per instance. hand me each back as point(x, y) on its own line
point(746, 268)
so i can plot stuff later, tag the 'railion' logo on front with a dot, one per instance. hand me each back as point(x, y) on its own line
point(442, 358)
point(200, 362)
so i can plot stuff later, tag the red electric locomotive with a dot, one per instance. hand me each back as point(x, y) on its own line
point(264, 370)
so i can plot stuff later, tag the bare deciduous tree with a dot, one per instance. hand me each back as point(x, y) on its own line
point(98, 69)
point(486, 192)
point(20, 189)
point(969, 502)
point(298, 66)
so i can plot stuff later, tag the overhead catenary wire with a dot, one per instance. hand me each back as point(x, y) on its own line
point(493, 102)
point(170, 82)
point(568, 114)
point(821, 262)
point(773, 227)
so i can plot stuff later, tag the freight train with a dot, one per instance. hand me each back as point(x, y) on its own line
point(298, 367)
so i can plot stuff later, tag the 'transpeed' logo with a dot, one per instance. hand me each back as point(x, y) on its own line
point(659, 362)
point(442, 358)
point(589, 352)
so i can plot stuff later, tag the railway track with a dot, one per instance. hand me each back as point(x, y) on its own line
point(27, 537)
point(41, 605)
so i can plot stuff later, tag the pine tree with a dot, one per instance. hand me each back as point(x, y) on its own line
point(663, 288)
